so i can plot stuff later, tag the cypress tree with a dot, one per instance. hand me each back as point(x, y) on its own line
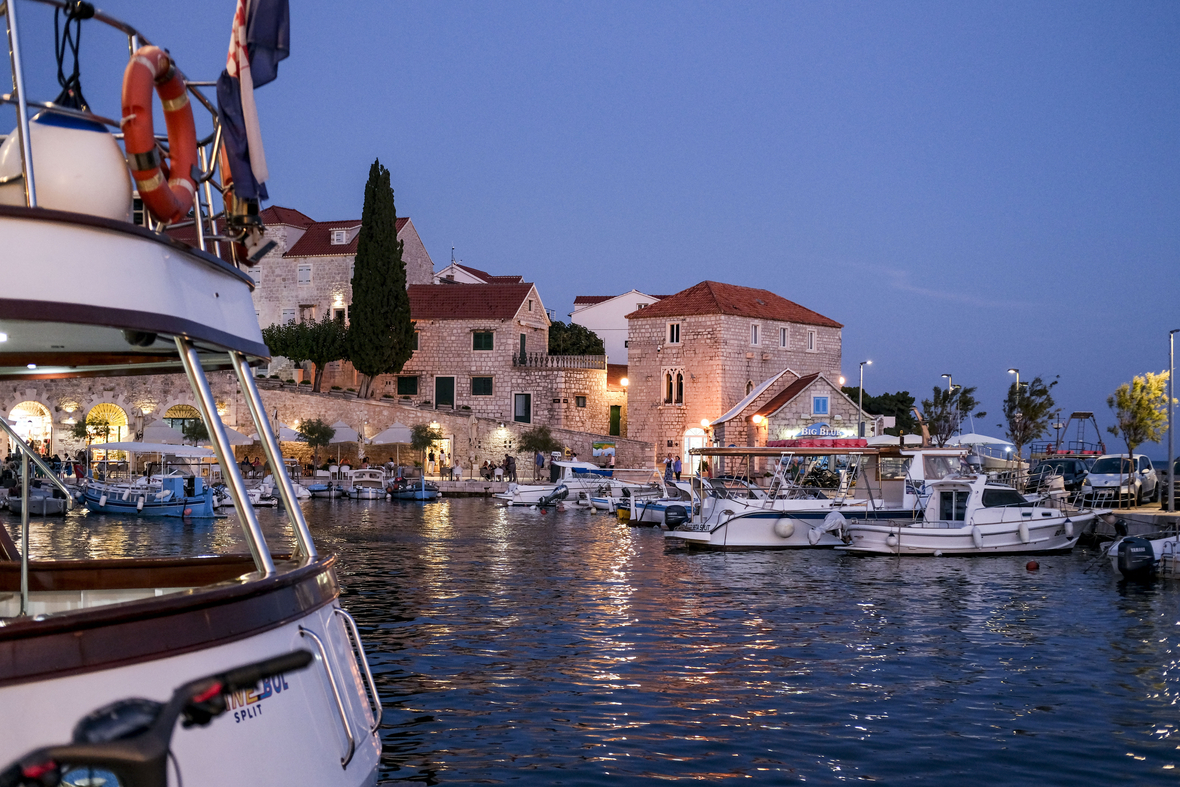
point(380, 333)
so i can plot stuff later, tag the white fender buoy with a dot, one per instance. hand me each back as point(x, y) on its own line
point(977, 536)
point(1068, 528)
point(1022, 530)
point(938, 553)
point(139, 505)
point(102, 501)
point(813, 535)
point(785, 527)
point(891, 541)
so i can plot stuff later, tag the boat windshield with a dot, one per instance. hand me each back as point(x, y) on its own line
point(1110, 465)
point(937, 467)
point(999, 498)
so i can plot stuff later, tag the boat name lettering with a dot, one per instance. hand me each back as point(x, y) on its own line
point(819, 430)
point(248, 704)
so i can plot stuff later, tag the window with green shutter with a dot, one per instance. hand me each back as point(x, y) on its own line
point(481, 340)
point(407, 386)
point(481, 386)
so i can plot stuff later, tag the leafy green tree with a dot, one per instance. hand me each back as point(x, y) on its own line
point(381, 334)
point(317, 434)
point(539, 439)
point(1140, 410)
point(327, 341)
point(945, 411)
point(422, 436)
point(195, 431)
point(289, 340)
point(900, 405)
point(91, 428)
point(1028, 410)
point(574, 339)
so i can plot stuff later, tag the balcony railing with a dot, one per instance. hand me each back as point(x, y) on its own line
point(547, 361)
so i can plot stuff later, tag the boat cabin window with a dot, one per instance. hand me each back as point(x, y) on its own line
point(937, 467)
point(895, 468)
point(952, 504)
point(997, 498)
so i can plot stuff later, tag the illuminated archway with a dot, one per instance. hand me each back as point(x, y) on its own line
point(693, 438)
point(108, 422)
point(32, 421)
point(181, 415)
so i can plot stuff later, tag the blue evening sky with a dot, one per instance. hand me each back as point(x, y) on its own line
point(966, 186)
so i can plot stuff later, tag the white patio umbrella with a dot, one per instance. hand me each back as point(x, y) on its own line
point(888, 439)
point(344, 433)
point(237, 438)
point(396, 434)
point(971, 438)
point(288, 435)
point(160, 432)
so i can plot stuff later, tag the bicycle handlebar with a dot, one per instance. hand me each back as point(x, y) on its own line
point(132, 738)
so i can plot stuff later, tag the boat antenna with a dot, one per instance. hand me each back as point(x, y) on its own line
point(64, 39)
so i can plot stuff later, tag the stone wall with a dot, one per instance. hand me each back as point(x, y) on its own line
point(146, 398)
point(718, 361)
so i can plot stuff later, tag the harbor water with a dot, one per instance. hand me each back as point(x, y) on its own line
point(515, 646)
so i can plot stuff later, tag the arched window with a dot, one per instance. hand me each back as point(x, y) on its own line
point(32, 421)
point(749, 387)
point(667, 388)
point(680, 388)
point(180, 416)
point(108, 423)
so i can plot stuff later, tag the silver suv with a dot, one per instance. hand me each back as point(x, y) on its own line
point(1112, 478)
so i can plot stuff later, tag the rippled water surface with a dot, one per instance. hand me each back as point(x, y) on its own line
point(564, 648)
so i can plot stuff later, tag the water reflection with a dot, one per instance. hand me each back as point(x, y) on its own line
point(514, 645)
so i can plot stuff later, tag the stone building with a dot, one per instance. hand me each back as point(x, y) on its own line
point(309, 272)
point(484, 349)
point(606, 315)
point(692, 356)
point(47, 409)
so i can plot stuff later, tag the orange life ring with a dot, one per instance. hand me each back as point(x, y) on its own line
point(166, 191)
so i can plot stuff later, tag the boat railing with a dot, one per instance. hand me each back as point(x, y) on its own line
point(205, 219)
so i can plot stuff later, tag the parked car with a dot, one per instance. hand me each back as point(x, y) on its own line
point(1113, 477)
point(1072, 472)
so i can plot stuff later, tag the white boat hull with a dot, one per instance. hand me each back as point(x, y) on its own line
point(294, 736)
point(763, 530)
point(1041, 536)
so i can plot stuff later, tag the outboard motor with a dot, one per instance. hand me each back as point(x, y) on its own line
point(1136, 558)
point(560, 493)
point(674, 516)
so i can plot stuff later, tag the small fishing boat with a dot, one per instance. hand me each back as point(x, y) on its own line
point(967, 514)
point(325, 490)
point(368, 484)
point(1137, 557)
point(43, 501)
point(174, 494)
point(577, 477)
point(412, 489)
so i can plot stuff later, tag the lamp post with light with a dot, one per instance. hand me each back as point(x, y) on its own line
point(1171, 409)
point(949, 383)
point(860, 400)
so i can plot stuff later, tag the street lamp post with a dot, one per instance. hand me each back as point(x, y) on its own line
point(1171, 444)
point(949, 383)
point(860, 400)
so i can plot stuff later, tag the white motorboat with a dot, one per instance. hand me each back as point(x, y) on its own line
point(808, 483)
point(576, 477)
point(649, 506)
point(80, 634)
point(969, 515)
point(1138, 557)
point(368, 484)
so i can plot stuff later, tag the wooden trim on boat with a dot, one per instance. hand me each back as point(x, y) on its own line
point(126, 319)
point(118, 635)
point(125, 228)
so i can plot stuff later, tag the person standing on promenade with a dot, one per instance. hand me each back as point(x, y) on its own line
point(676, 467)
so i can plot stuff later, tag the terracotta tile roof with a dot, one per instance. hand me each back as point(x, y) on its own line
point(712, 297)
point(602, 298)
point(277, 214)
point(487, 277)
point(615, 372)
point(779, 400)
point(467, 301)
point(317, 240)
